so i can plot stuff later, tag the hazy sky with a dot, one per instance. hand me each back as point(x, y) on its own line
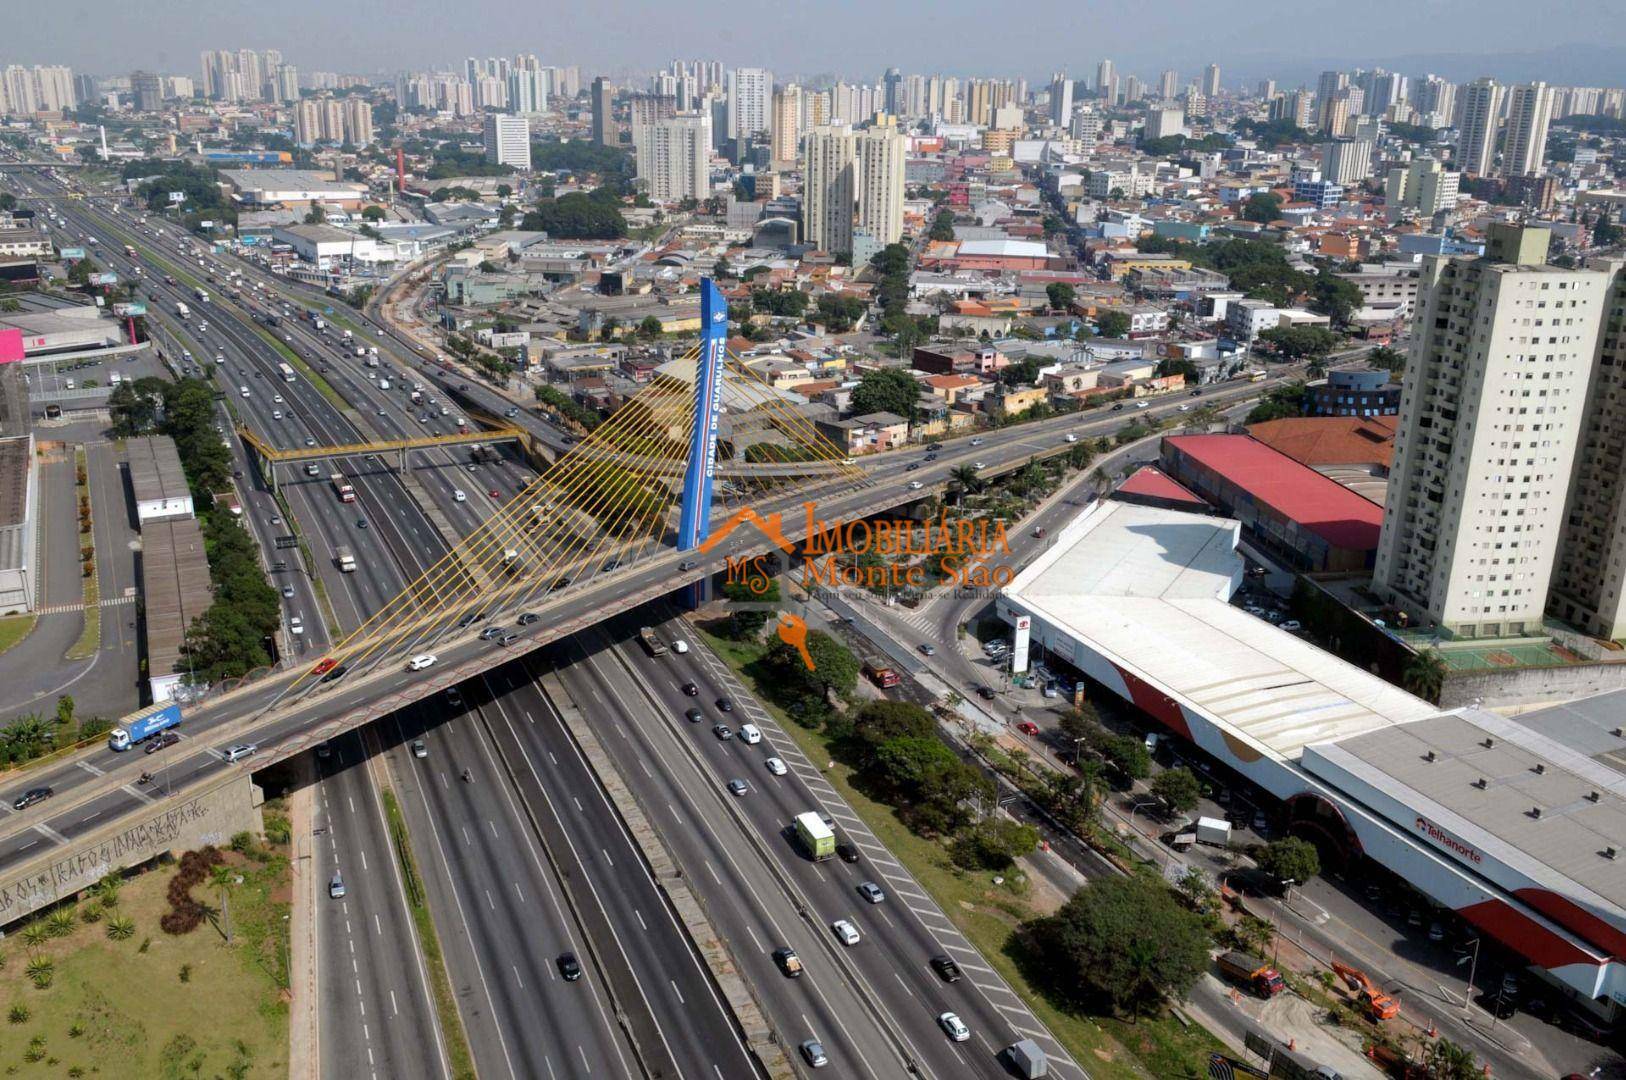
point(857, 38)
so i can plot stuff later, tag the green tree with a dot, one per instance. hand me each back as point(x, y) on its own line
point(942, 226)
point(1060, 294)
point(1387, 359)
point(650, 328)
point(1112, 324)
point(1446, 1060)
point(877, 721)
point(1262, 207)
point(1425, 675)
point(1296, 343)
point(1337, 298)
point(1121, 942)
point(892, 390)
point(1291, 858)
point(838, 314)
point(372, 213)
point(578, 216)
point(1605, 233)
point(224, 879)
point(1177, 788)
point(1279, 402)
point(966, 478)
point(993, 844)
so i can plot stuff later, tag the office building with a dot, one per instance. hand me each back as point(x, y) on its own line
point(882, 154)
point(674, 158)
point(1481, 106)
point(786, 133)
point(1210, 85)
point(508, 141)
point(604, 132)
point(146, 91)
point(1086, 127)
point(1529, 107)
point(1346, 161)
point(750, 92)
point(828, 192)
point(1491, 417)
point(1061, 99)
point(1589, 577)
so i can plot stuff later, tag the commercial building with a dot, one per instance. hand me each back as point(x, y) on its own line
point(328, 246)
point(1490, 419)
point(882, 153)
point(19, 522)
point(157, 480)
point(175, 590)
point(1514, 825)
point(1352, 393)
point(508, 141)
point(1311, 522)
point(260, 188)
point(63, 333)
point(828, 193)
point(674, 158)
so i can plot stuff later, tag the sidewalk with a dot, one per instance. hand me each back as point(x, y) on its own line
point(304, 1022)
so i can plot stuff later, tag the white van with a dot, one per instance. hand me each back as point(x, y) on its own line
point(421, 661)
point(750, 734)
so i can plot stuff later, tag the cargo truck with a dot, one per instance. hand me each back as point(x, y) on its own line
point(1216, 831)
point(342, 488)
point(182, 310)
point(203, 297)
point(652, 644)
point(138, 726)
point(817, 838)
point(346, 559)
point(1027, 1059)
point(1250, 971)
point(883, 677)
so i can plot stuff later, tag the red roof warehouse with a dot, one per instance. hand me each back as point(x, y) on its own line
point(1287, 508)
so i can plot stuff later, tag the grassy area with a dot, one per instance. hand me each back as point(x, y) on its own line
point(153, 1004)
point(988, 915)
point(457, 1041)
point(14, 629)
point(90, 638)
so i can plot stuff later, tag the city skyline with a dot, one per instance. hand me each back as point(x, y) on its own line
point(1497, 41)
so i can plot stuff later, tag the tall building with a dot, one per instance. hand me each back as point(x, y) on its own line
point(1589, 577)
point(892, 92)
point(604, 132)
point(750, 91)
point(827, 188)
point(1211, 81)
point(1436, 101)
point(307, 122)
point(1106, 82)
point(1327, 91)
point(1529, 107)
point(1481, 102)
point(1346, 161)
point(1293, 107)
point(288, 82)
point(1424, 186)
point(358, 121)
point(1490, 420)
point(882, 155)
point(1162, 123)
point(508, 140)
point(332, 113)
point(147, 91)
point(55, 88)
point(786, 132)
point(674, 158)
point(1168, 85)
point(1267, 89)
point(1061, 99)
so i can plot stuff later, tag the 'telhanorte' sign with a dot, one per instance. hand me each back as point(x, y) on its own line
point(1447, 841)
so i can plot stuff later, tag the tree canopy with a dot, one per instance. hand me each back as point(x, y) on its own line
point(1300, 342)
point(1112, 324)
point(1290, 859)
point(578, 216)
point(892, 390)
point(1262, 207)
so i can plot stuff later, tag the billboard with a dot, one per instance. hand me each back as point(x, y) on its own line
point(127, 310)
point(107, 277)
point(72, 253)
point(177, 196)
point(1019, 649)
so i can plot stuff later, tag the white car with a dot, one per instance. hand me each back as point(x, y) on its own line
point(845, 932)
point(777, 766)
point(296, 624)
point(750, 734)
point(1142, 404)
point(458, 496)
point(1071, 437)
point(680, 646)
point(915, 485)
point(953, 1027)
point(277, 398)
point(421, 661)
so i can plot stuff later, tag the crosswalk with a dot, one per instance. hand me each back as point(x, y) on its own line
point(63, 609)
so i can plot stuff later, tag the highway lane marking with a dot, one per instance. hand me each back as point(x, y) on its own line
point(607, 858)
point(676, 991)
point(137, 792)
point(494, 834)
point(713, 872)
point(583, 1052)
point(51, 834)
point(464, 829)
point(363, 853)
point(641, 922)
point(520, 892)
point(578, 802)
point(88, 767)
point(517, 979)
point(378, 925)
point(490, 903)
point(903, 984)
point(675, 815)
point(754, 941)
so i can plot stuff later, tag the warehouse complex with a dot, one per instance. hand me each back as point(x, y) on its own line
point(1513, 824)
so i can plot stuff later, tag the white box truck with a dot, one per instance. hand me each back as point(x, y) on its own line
point(1211, 830)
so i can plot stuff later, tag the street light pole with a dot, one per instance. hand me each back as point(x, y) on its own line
point(1472, 968)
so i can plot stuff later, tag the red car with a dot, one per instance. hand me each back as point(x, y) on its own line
point(327, 664)
point(1028, 727)
point(494, 493)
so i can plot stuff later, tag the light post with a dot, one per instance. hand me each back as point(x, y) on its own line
point(1276, 937)
point(1473, 967)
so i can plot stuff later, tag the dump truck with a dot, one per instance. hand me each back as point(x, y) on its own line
point(652, 644)
point(816, 838)
point(345, 558)
point(140, 725)
point(1252, 972)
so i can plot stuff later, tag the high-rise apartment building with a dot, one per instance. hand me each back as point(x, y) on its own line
point(827, 188)
point(1267, 89)
point(892, 92)
point(307, 122)
point(882, 155)
point(1168, 85)
point(1424, 186)
point(1436, 102)
point(508, 140)
point(1211, 81)
point(1481, 108)
point(147, 91)
point(1491, 416)
point(332, 113)
point(1328, 90)
point(288, 82)
point(604, 132)
point(1061, 99)
point(1529, 107)
point(1346, 161)
point(786, 128)
point(674, 158)
point(750, 92)
point(358, 121)
point(1106, 82)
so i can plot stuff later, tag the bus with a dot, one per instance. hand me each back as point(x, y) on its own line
point(286, 372)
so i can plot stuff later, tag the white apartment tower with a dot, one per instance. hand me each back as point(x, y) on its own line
point(358, 121)
point(1423, 185)
point(1529, 107)
point(508, 140)
point(827, 188)
point(674, 157)
point(882, 154)
point(1211, 81)
point(1491, 416)
point(1480, 102)
point(786, 130)
point(1106, 82)
point(749, 93)
point(1061, 99)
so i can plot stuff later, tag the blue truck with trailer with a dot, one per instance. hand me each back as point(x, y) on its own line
point(138, 726)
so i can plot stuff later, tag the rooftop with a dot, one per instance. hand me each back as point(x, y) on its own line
point(1154, 483)
point(155, 469)
point(1330, 440)
point(1148, 589)
point(174, 588)
point(288, 180)
point(1323, 506)
point(14, 473)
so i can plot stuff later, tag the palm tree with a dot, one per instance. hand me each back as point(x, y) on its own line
point(1316, 369)
point(1425, 675)
point(966, 479)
